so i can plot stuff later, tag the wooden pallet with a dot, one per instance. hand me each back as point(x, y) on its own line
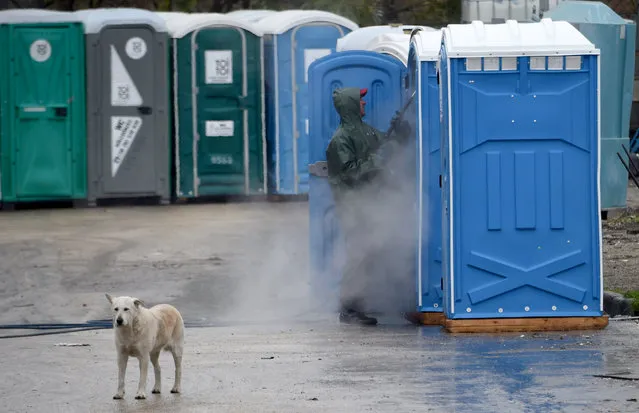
point(287, 198)
point(509, 325)
point(426, 319)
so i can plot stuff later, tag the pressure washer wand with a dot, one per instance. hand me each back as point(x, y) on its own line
point(401, 114)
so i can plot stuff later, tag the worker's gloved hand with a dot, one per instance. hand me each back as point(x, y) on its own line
point(401, 128)
point(395, 120)
point(403, 131)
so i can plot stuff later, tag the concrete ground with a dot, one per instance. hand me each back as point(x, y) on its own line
point(243, 268)
point(325, 367)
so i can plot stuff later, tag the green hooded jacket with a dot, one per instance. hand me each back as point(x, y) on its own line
point(354, 154)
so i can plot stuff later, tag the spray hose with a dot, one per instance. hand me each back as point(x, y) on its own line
point(64, 328)
point(400, 114)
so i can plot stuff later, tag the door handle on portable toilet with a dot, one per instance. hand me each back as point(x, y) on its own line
point(440, 181)
point(244, 102)
point(145, 110)
point(60, 111)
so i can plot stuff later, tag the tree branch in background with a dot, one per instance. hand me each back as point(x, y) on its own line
point(68, 5)
point(434, 13)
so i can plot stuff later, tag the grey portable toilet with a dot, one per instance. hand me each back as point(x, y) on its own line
point(128, 146)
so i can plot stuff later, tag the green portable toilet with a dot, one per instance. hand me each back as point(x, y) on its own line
point(127, 104)
point(616, 38)
point(42, 110)
point(218, 95)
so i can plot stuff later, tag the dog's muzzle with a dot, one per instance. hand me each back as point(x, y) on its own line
point(119, 321)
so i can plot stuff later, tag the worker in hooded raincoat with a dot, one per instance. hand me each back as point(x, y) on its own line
point(357, 158)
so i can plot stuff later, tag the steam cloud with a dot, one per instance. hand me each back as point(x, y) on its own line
point(283, 290)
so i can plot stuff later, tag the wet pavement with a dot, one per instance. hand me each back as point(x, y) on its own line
point(244, 269)
point(325, 367)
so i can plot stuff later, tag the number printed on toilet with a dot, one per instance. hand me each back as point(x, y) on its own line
point(123, 93)
point(221, 160)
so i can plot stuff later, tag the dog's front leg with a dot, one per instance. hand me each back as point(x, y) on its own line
point(177, 359)
point(144, 368)
point(123, 358)
point(155, 360)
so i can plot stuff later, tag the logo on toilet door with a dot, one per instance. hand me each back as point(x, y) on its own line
point(218, 66)
point(135, 48)
point(123, 89)
point(40, 50)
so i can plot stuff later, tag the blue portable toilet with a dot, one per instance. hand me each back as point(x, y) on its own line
point(520, 160)
point(423, 57)
point(382, 75)
point(293, 39)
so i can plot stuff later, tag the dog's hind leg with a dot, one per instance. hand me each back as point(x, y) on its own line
point(144, 369)
point(122, 360)
point(176, 351)
point(155, 360)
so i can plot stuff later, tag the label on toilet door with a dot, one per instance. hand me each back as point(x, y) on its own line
point(124, 130)
point(311, 55)
point(123, 89)
point(218, 66)
point(220, 127)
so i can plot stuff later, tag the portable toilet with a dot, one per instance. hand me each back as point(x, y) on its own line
point(218, 94)
point(42, 109)
point(252, 15)
point(382, 75)
point(423, 57)
point(392, 44)
point(499, 11)
point(520, 159)
point(360, 38)
point(293, 39)
point(128, 147)
point(616, 39)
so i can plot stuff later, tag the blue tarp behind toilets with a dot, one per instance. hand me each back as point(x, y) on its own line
point(293, 39)
point(382, 75)
point(520, 181)
point(422, 74)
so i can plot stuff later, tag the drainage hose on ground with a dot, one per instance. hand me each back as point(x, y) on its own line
point(64, 328)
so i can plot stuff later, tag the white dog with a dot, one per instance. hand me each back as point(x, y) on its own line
point(143, 333)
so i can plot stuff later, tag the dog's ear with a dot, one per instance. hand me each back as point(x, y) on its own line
point(138, 303)
point(108, 296)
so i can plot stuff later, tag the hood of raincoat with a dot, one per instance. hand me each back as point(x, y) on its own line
point(346, 102)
